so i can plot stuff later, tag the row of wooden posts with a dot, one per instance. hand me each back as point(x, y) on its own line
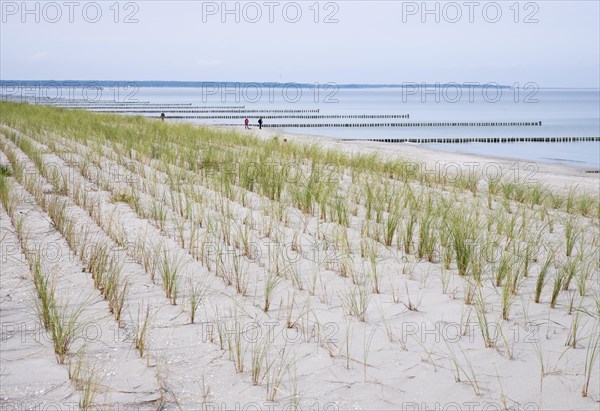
point(442, 124)
point(480, 140)
point(309, 116)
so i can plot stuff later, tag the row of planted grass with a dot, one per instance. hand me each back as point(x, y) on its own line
point(59, 318)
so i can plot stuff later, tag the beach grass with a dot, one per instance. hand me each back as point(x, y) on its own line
point(346, 232)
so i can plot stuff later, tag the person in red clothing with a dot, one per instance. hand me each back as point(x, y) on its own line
point(246, 123)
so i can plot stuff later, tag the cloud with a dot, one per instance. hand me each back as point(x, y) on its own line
point(39, 56)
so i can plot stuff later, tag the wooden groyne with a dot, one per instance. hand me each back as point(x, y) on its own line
point(368, 125)
point(453, 140)
point(112, 104)
point(220, 110)
point(310, 116)
point(49, 101)
point(149, 108)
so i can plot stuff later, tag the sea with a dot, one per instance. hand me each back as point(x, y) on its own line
point(361, 111)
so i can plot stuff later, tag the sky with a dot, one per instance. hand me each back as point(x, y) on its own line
point(551, 43)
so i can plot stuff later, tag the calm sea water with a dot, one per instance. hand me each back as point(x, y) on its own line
point(563, 113)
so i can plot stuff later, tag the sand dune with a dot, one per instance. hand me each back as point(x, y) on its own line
point(319, 280)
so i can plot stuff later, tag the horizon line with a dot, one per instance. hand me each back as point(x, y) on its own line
point(192, 83)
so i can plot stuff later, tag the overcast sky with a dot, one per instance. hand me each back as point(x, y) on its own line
point(552, 43)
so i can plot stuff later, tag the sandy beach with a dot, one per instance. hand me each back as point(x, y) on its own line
point(189, 283)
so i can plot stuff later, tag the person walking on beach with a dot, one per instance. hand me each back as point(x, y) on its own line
point(260, 123)
point(246, 123)
point(162, 116)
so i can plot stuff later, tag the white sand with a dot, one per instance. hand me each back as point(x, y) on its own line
point(344, 364)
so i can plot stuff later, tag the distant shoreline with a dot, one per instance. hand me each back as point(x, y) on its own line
point(197, 84)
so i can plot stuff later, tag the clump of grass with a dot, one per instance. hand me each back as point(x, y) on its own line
point(494, 186)
point(541, 279)
point(90, 386)
point(98, 263)
point(569, 269)
point(590, 359)
point(585, 273)
point(235, 343)
point(260, 353)
point(468, 180)
point(507, 295)
point(374, 274)
point(340, 211)
point(528, 254)
point(556, 201)
point(65, 328)
point(271, 282)
point(75, 368)
point(574, 330)
point(408, 228)
point(455, 364)
point(240, 274)
point(158, 213)
point(470, 290)
point(489, 339)
point(464, 229)
point(447, 250)
point(585, 205)
point(197, 294)
point(107, 274)
point(504, 268)
point(57, 209)
point(391, 224)
point(559, 278)
point(170, 268)
point(5, 171)
point(148, 255)
point(427, 240)
point(410, 304)
point(6, 198)
point(366, 348)
point(356, 302)
point(276, 371)
point(58, 179)
point(457, 369)
point(85, 379)
point(142, 327)
point(572, 232)
point(116, 293)
point(45, 288)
